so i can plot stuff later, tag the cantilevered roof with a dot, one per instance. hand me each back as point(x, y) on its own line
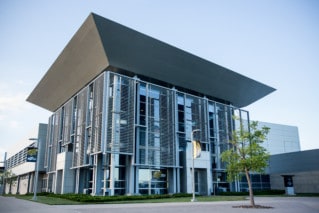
point(101, 44)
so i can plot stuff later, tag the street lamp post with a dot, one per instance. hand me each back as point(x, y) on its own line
point(35, 182)
point(4, 170)
point(193, 169)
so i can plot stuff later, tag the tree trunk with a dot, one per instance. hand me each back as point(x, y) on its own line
point(251, 193)
point(4, 186)
point(10, 187)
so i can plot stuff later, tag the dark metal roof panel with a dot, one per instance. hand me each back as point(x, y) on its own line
point(101, 43)
point(79, 63)
point(302, 161)
point(130, 50)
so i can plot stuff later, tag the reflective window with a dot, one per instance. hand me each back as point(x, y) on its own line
point(181, 113)
point(155, 120)
point(142, 105)
point(142, 138)
point(90, 105)
point(152, 181)
point(182, 142)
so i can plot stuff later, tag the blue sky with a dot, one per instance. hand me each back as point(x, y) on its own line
point(272, 41)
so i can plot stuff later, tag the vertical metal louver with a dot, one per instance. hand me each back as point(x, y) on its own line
point(55, 138)
point(224, 117)
point(48, 148)
point(120, 124)
point(156, 131)
point(168, 149)
point(70, 125)
point(67, 122)
point(97, 115)
point(197, 108)
point(79, 158)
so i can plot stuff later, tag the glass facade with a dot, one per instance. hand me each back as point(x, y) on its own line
point(154, 127)
point(259, 182)
point(152, 181)
point(123, 135)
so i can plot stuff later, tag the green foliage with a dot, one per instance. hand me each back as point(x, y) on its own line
point(56, 200)
point(8, 176)
point(246, 153)
point(104, 199)
point(33, 151)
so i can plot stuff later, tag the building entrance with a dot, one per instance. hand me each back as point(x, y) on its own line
point(200, 181)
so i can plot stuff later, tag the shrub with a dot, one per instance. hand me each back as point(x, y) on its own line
point(98, 199)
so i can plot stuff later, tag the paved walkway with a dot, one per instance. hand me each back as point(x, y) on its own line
point(279, 204)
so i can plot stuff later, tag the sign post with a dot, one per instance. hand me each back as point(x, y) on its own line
point(33, 155)
point(195, 153)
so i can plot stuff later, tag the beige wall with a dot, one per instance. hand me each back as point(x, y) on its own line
point(23, 187)
point(304, 182)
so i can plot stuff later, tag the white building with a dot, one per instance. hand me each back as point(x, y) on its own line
point(23, 171)
point(281, 138)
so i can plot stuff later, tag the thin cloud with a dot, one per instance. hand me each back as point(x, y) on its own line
point(12, 102)
point(14, 124)
point(11, 97)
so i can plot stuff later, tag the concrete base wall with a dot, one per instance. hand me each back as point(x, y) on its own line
point(304, 182)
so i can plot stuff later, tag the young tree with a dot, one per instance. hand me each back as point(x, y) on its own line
point(8, 177)
point(246, 154)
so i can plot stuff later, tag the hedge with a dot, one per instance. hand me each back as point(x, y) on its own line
point(97, 199)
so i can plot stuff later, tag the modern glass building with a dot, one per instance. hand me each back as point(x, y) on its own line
point(125, 107)
point(23, 166)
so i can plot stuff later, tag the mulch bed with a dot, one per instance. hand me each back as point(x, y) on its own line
point(253, 207)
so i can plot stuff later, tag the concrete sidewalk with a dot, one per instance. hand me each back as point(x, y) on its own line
point(14, 205)
point(279, 204)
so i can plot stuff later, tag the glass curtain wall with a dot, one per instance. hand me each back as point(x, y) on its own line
point(120, 123)
point(146, 127)
point(155, 148)
point(223, 120)
point(75, 128)
point(191, 115)
point(119, 133)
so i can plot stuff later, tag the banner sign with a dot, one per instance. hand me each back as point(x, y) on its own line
point(32, 153)
point(197, 149)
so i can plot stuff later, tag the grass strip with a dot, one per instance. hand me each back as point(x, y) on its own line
point(76, 199)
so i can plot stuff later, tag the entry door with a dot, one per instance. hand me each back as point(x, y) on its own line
point(197, 182)
point(200, 181)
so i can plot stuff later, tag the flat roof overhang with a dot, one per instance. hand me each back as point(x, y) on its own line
point(100, 44)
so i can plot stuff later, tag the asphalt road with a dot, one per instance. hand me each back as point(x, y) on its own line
point(279, 204)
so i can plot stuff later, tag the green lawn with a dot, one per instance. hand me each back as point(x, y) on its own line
point(60, 201)
point(49, 200)
point(72, 199)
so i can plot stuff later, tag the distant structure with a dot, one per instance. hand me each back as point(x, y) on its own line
point(281, 138)
point(24, 171)
point(302, 167)
point(126, 108)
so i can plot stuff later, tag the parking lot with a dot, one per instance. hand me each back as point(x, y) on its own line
point(278, 204)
